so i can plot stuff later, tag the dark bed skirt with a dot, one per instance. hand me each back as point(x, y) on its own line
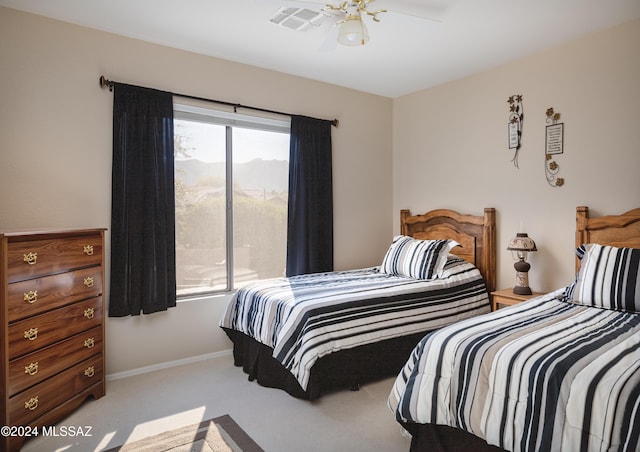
point(442, 438)
point(346, 369)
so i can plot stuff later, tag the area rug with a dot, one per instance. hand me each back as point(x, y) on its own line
point(214, 435)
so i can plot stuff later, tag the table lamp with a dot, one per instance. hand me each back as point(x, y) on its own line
point(522, 244)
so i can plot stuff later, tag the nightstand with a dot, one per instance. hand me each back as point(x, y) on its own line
point(507, 297)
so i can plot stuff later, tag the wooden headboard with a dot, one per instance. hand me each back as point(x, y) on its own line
point(614, 230)
point(475, 233)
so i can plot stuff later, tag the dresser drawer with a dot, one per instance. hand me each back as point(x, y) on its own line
point(35, 367)
point(29, 335)
point(36, 401)
point(34, 296)
point(33, 258)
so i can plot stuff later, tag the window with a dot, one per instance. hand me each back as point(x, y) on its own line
point(231, 176)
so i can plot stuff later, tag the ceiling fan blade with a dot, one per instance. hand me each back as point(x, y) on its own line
point(330, 42)
point(431, 10)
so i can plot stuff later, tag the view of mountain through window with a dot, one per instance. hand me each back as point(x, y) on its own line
point(231, 204)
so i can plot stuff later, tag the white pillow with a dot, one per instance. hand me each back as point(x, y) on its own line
point(420, 259)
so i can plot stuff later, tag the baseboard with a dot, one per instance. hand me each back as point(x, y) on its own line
point(166, 365)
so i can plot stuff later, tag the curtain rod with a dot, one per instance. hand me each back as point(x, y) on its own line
point(104, 82)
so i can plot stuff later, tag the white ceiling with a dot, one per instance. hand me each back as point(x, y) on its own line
point(406, 53)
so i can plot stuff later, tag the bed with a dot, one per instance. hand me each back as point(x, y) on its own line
point(557, 372)
point(313, 334)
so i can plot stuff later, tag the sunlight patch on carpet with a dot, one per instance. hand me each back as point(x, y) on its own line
point(221, 434)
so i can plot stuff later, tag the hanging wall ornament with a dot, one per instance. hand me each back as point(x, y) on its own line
point(554, 145)
point(516, 118)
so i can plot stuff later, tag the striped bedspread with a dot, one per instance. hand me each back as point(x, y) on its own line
point(306, 317)
point(543, 375)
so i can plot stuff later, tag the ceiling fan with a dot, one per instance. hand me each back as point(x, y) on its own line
point(348, 16)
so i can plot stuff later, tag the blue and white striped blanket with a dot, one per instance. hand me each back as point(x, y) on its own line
point(305, 317)
point(543, 375)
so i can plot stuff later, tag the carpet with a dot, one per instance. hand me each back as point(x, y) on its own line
point(219, 434)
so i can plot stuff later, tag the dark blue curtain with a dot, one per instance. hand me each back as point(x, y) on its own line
point(143, 264)
point(310, 216)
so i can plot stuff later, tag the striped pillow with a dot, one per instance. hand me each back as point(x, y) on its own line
point(420, 259)
point(609, 277)
point(568, 293)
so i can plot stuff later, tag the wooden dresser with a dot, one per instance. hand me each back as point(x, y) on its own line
point(51, 316)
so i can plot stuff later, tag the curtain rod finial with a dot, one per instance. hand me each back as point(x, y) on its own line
point(104, 82)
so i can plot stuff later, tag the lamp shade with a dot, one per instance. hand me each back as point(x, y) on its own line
point(522, 242)
point(353, 32)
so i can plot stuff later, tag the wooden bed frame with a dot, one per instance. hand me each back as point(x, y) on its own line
point(614, 230)
point(367, 363)
point(475, 234)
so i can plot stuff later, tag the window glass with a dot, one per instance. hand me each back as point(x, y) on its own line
point(260, 197)
point(231, 177)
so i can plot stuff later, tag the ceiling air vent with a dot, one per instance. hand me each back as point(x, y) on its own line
point(299, 19)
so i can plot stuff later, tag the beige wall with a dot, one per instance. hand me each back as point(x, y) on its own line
point(449, 150)
point(450, 146)
point(55, 145)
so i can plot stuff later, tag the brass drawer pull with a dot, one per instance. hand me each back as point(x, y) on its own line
point(90, 343)
point(89, 371)
point(32, 404)
point(31, 296)
point(89, 313)
point(88, 250)
point(31, 258)
point(88, 281)
point(31, 369)
point(31, 334)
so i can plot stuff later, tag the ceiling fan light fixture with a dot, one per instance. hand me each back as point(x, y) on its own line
point(353, 32)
